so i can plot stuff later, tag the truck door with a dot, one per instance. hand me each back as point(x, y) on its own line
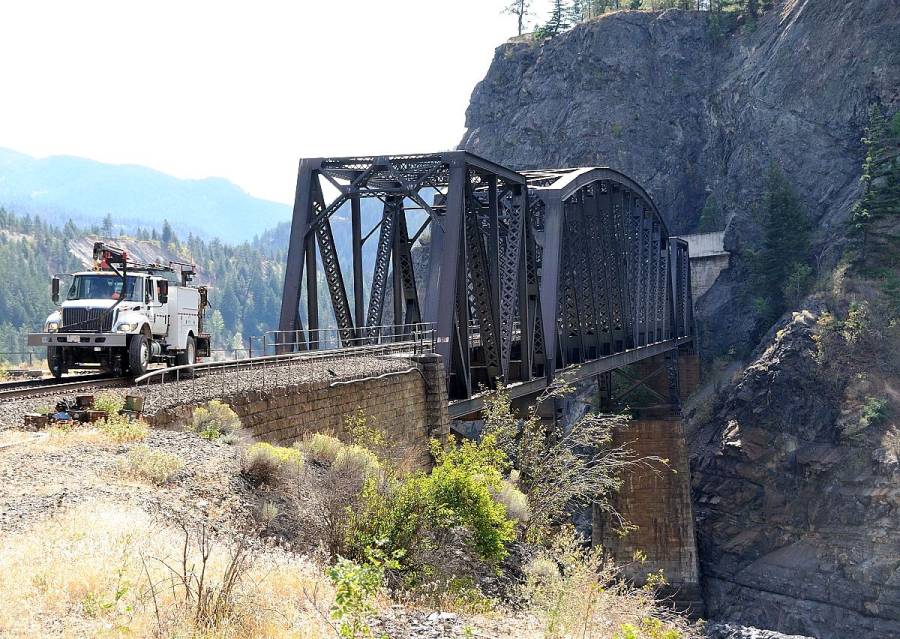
point(157, 312)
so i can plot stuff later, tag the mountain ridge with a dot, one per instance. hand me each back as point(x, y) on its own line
point(60, 187)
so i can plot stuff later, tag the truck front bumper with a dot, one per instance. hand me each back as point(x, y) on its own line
point(78, 340)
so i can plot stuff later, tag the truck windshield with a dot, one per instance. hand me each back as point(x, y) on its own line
point(105, 287)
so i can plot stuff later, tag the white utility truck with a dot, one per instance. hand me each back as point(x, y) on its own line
point(121, 316)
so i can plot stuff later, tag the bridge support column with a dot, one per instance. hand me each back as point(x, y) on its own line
point(656, 499)
point(656, 496)
point(438, 419)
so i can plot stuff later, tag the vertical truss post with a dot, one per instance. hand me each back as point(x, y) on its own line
point(358, 286)
point(382, 265)
point(526, 291)
point(443, 277)
point(397, 278)
point(289, 321)
point(312, 292)
point(550, 280)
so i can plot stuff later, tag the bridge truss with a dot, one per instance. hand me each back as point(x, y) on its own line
point(520, 274)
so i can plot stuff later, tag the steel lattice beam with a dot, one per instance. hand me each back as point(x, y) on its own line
point(525, 272)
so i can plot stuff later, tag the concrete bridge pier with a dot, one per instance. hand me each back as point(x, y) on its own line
point(656, 495)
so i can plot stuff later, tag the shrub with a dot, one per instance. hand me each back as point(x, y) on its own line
point(460, 486)
point(574, 591)
point(355, 588)
point(874, 412)
point(264, 463)
point(361, 433)
point(356, 460)
point(514, 501)
point(561, 469)
point(405, 513)
point(120, 428)
point(320, 448)
point(214, 420)
point(109, 402)
point(155, 466)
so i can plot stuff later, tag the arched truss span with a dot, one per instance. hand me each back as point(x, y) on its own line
point(522, 273)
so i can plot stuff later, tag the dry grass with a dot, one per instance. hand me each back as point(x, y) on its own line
point(515, 502)
point(321, 448)
point(121, 429)
point(154, 466)
point(576, 593)
point(103, 571)
point(264, 463)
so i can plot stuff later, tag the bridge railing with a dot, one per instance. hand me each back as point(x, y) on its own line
point(283, 342)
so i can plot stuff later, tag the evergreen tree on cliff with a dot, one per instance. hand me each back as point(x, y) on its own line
point(521, 9)
point(558, 22)
point(781, 269)
point(881, 174)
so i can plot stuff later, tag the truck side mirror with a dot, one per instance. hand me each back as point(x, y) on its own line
point(163, 291)
point(54, 290)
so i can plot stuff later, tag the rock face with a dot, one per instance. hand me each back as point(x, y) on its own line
point(798, 514)
point(688, 116)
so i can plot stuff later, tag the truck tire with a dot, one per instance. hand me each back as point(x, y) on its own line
point(138, 355)
point(188, 355)
point(55, 361)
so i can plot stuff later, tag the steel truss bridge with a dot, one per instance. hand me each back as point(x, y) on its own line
point(523, 275)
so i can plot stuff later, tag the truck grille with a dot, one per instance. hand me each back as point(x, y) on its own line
point(80, 320)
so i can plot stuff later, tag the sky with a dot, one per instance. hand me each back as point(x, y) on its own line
point(241, 90)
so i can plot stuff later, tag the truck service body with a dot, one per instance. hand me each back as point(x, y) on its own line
point(122, 316)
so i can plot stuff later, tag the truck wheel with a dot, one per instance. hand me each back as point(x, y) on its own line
point(188, 355)
point(138, 355)
point(55, 362)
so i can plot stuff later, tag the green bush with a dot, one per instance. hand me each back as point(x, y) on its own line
point(155, 466)
point(264, 463)
point(874, 412)
point(121, 429)
point(214, 420)
point(457, 492)
point(109, 403)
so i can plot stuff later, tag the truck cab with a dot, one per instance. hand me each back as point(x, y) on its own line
point(121, 317)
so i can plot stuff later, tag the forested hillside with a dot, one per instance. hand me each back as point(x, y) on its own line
point(245, 281)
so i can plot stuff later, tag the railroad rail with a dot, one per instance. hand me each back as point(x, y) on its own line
point(56, 387)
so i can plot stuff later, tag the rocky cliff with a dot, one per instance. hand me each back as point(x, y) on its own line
point(691, 116)
point(796, 488)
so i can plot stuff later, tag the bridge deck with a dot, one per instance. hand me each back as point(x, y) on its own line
point(586, 370)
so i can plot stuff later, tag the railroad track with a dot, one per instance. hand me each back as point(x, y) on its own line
point(56, 387)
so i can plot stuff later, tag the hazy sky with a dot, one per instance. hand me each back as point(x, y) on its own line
point(241, 90)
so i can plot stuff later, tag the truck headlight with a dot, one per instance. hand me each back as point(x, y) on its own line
point(126, 327)
point(52, 326)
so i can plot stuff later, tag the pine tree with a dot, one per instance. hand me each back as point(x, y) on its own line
point(108, 225)
point(574, 13)
point(521, 9)
point(785, 250)
point(558, 21)
point(167, 236)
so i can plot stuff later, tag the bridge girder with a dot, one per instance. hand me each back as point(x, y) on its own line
point(521, 273)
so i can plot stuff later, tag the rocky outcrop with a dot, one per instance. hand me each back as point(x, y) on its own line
point(798, 507)
point(730, 631)
point(798, 511)
point(689, 116)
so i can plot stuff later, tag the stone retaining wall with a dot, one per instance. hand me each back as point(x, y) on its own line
point(410, 407)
